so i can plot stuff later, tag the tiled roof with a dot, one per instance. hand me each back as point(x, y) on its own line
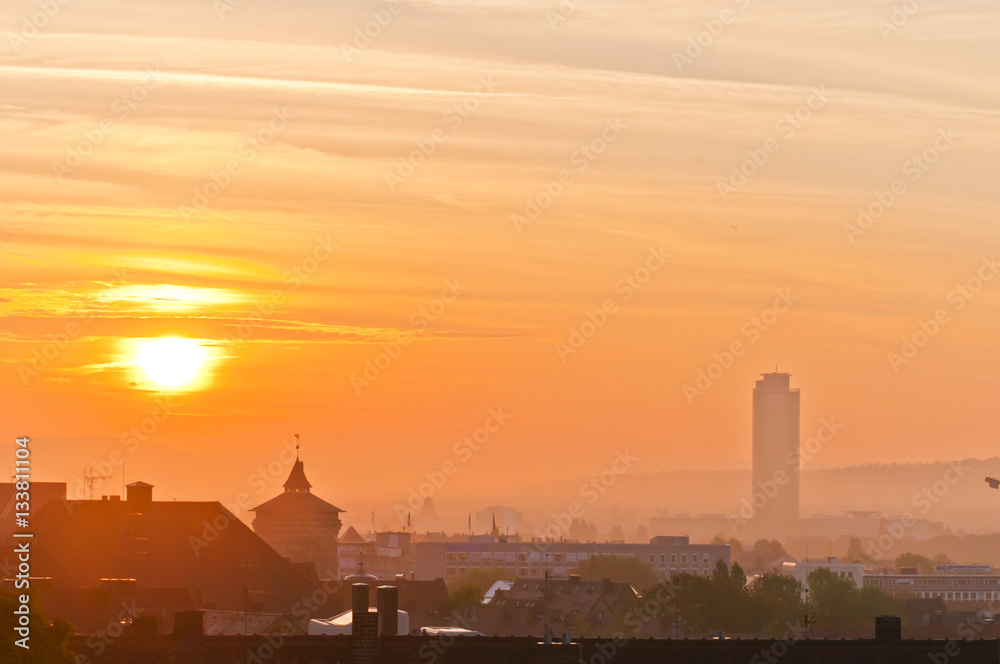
point(291, 501)
point(351, 536)
point(199, 546)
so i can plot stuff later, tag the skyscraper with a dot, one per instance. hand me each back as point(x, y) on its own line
point(775, 495)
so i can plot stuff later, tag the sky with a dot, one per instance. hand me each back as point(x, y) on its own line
point(573, 229)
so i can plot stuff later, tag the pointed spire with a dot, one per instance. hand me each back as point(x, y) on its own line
point(297, 482)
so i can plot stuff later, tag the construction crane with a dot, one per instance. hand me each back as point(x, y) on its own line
point(89, 480)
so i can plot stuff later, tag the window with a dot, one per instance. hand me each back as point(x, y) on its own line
point(684, 558)
point(522, 557)
point(673, 557)
point(650, 559)
point(704, 559)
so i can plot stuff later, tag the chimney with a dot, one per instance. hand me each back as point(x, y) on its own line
point(140, 496)
point(359, 599)
point(888, 628)
point(364, 627)
point(388, 610)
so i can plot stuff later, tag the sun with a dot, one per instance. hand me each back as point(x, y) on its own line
point(172, 363)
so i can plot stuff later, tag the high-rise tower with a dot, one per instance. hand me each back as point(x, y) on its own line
point(775, 454)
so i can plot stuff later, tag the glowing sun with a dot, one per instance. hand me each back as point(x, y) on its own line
point(171, 362)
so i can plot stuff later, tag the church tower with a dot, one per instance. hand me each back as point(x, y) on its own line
point(299, 525)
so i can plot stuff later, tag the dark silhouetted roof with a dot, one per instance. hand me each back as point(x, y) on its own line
point(297, 478)
point(351, 536)
point(296, 502)
point(199, 546)
point(297, 497)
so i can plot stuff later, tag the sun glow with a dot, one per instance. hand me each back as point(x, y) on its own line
point(172, 363)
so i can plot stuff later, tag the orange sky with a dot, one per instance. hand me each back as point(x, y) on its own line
point(117, 116)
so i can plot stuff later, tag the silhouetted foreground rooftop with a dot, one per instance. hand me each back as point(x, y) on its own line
point(505, 650)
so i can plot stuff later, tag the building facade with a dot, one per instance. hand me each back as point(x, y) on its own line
point(959, 591)
point(531, 559)
point(775, 490)
point(301, 526)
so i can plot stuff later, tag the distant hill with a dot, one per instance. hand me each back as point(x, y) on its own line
point(954, 493)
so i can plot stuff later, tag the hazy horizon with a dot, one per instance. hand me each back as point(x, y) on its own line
point(582, 228)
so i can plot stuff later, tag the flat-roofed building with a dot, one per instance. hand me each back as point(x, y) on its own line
point(531, 559)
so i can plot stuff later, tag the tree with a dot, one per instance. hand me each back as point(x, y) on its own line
point(776, 601)
point(764, 553)
point(856, 552)
point(837, 601)
point(833, 599)
point(620, 569)
point(467, 590)
point(48, 641)
point(942, 559)
point(923, 564)
point(873, 602)
point(719, 602)
point(728, 607)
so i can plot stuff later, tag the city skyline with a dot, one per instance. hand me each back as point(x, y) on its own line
point(226, 225)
